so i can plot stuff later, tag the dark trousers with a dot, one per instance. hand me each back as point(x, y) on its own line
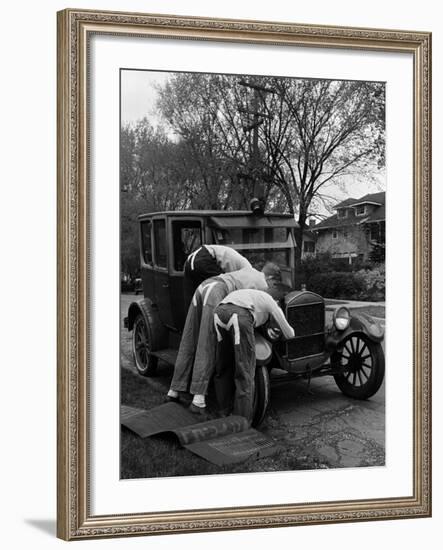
point(235, 362)
point(199, 266)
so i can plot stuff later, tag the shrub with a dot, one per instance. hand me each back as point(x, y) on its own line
point(366, 284)
point(337, 284)
point(377, 253)
point(374, 283)
point(320, 263)
point(324, 262)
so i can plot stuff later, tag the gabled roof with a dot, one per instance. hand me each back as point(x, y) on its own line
point(378, 214)
point(344, 203)
point(370, 198)
point(334, 221)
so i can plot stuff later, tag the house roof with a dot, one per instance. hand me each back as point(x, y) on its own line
point(344, 203)
point(371, 198)
point(334, 221)
point(378, 214)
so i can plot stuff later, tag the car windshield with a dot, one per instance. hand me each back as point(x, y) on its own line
point(260, 245)
point(258, 258)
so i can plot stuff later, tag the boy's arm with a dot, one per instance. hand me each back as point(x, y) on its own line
point(280, 319)
point(244, 262)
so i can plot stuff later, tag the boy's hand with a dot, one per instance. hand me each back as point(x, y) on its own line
point(273, 333)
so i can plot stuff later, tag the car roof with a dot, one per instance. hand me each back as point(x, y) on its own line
point(230, 218)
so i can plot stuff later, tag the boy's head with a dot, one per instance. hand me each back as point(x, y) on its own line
point(272, 273)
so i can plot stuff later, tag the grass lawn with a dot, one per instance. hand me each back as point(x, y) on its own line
point(161, 456)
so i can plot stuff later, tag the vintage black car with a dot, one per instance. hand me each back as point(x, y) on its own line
point(346, 346)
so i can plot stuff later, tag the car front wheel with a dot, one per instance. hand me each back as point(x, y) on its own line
point(359, 366)
point(145, 363)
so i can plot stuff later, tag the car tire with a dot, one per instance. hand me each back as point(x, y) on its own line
point(359, 366)
point(145, 362)
point(262, 392)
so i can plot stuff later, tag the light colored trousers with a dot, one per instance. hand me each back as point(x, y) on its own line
point(195, 362)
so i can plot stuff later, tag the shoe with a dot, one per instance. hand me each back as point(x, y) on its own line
point(197, 410)
point(169, 399)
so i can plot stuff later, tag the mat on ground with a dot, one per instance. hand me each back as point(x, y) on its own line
point(220, 441)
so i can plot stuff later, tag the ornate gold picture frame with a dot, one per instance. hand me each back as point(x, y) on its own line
point(75, 517)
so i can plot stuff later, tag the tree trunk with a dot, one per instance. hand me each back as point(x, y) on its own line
point(299, 247)
point(299, 240)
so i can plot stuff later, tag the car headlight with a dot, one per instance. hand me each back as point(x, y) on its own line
point(342, 318)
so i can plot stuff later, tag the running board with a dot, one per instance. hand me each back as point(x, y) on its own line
point(168, 355)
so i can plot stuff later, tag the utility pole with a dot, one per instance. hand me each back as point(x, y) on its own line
point(256, 173)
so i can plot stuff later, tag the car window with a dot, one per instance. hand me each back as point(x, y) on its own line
point(187, 237)
point(146, 242)
point(160, 255)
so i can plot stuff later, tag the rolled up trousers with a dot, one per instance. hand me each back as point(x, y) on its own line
point(195, 362)
point(235, 360)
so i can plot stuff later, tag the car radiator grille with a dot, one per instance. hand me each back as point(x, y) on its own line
point(308, 321)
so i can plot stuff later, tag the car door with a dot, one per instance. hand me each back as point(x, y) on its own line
point(186, 236)
point(161, 275)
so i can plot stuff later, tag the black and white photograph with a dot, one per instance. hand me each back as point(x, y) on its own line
point(252, 258)
point(229, 286)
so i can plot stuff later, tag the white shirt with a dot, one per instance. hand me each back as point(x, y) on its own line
point(227, 258)
point(248, 277)
point(262, 306)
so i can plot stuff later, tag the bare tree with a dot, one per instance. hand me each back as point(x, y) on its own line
point(207, 112)
point(321, 131)
point(297, 136)
point(190, 104)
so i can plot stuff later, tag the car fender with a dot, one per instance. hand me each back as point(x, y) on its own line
point(359, 323)
point(134, 309)
point(263, 349)
point(158, 335)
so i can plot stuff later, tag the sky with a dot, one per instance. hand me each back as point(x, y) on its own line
point(138, 94)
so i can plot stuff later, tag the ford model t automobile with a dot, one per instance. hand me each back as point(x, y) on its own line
point(347, 347)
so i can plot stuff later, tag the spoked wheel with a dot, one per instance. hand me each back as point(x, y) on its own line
point(359, 366)
point(141, 348)
point(261, 394)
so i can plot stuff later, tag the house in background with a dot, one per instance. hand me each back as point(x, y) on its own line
point(355, 231)
point(309, 239)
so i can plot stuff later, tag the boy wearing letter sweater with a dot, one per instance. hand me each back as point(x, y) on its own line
point(235, 319)
point(208, 261)
point(196, 357)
